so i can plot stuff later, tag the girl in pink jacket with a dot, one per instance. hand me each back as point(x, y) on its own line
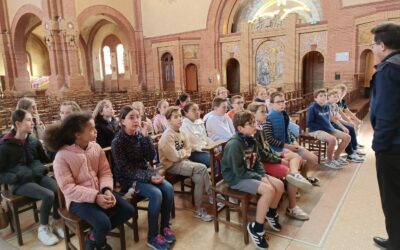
point(84, 176)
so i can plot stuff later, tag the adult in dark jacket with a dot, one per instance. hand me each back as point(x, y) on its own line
point(21, 166)
point(385, 120)
point(106, 124)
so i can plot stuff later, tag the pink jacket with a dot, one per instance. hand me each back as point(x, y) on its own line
point(81, 174)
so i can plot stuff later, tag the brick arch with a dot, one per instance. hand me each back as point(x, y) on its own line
point(123, 23)
point(18, 34)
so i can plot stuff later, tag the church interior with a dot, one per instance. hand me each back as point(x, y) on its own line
point(128, 51)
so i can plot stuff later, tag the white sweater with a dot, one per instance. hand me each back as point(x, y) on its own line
point(196, 133)
point(219, 127)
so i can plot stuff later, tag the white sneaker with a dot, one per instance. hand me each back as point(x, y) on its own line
point(46, 236)
point(203, 215)
point(355, 158)
point(58, 228)
point(332, 164)
point(298, 180)
point(297, 213)
point(342, 161)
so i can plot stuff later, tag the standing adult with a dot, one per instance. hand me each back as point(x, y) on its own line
point(385, 120)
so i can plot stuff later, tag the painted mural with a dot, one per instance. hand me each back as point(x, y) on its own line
point(270, 62)
point(314, 41)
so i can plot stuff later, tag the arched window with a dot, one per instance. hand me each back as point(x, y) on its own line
point(107, 60)
point(120, 59)
point(168, 76)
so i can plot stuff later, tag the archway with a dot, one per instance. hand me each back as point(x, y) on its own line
point(30, 51)
point(313, 71)
point(233, 76)
point(191, 77)
point(96, 23)
point(168, 76)
point(366, 68)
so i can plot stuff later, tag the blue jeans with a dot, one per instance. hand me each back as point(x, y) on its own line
point(102, 220)
point(204, 158)
point(160, 199)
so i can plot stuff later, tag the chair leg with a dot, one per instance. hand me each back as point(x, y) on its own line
point(215, 208)
point(135, 226)
point(192, 192)
point(11, 219)
point(14, 211)
point(245, 206)
point(122, 236)
point(173, 209)
point(67, 239)
point(81, 237)
point(35, 212)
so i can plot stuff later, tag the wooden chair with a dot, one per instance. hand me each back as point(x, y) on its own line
point(74, 225)
point(307, 141)
point(219, 187)
point(16, 205)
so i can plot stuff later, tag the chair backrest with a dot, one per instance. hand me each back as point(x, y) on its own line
point(215, 158)
point(61, 198)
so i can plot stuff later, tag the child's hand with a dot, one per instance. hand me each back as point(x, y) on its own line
point(157, 179)
point(111, 197)
point(265, 179)
point(103, 201)
point(345, 130)
point(144, 127)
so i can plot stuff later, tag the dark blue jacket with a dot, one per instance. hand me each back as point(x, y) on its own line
point(131, 154)
point(318, 118)
point(385, 103)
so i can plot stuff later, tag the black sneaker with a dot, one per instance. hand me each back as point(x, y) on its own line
point(257, 238)
point(274, 222)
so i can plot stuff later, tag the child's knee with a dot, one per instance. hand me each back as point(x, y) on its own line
point(266, 189)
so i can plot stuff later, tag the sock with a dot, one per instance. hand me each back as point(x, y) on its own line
point(258, 227)
point(271, 212)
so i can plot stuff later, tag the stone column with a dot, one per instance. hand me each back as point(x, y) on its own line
point(62, 39)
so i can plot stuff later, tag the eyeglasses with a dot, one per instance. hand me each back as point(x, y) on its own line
point(280, 102)
point(239, 103)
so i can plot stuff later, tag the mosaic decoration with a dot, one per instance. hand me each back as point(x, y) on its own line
point(270, 62)
point(190, 51)
point(365, 37)
point(314, 41)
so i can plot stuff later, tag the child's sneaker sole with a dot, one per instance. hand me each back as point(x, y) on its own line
point(304, 185)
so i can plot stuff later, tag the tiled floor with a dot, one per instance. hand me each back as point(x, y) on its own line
point(345, 214)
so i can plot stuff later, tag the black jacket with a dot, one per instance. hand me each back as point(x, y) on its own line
point(385, 103)
point(21, 161)
point(105, 131)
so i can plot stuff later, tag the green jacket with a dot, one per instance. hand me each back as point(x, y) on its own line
point(21, 162)
point(237, 164)
point(265, 152)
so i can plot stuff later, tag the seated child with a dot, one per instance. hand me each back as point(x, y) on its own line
point(237, 105)
point(21, 166)
point(84, 176)
point(281, 166)
point(160, 123)
point(338, 123)
point(219, 126)
point(243, 171)
point(106, 124)
point(132, 149)
point(29, 105)
point(174, 150)
point(345, 111)
point(67, 108)
point(222, 92)
point(320, 127)
point(193, 128)
point(140, 107)
point(279, 137)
